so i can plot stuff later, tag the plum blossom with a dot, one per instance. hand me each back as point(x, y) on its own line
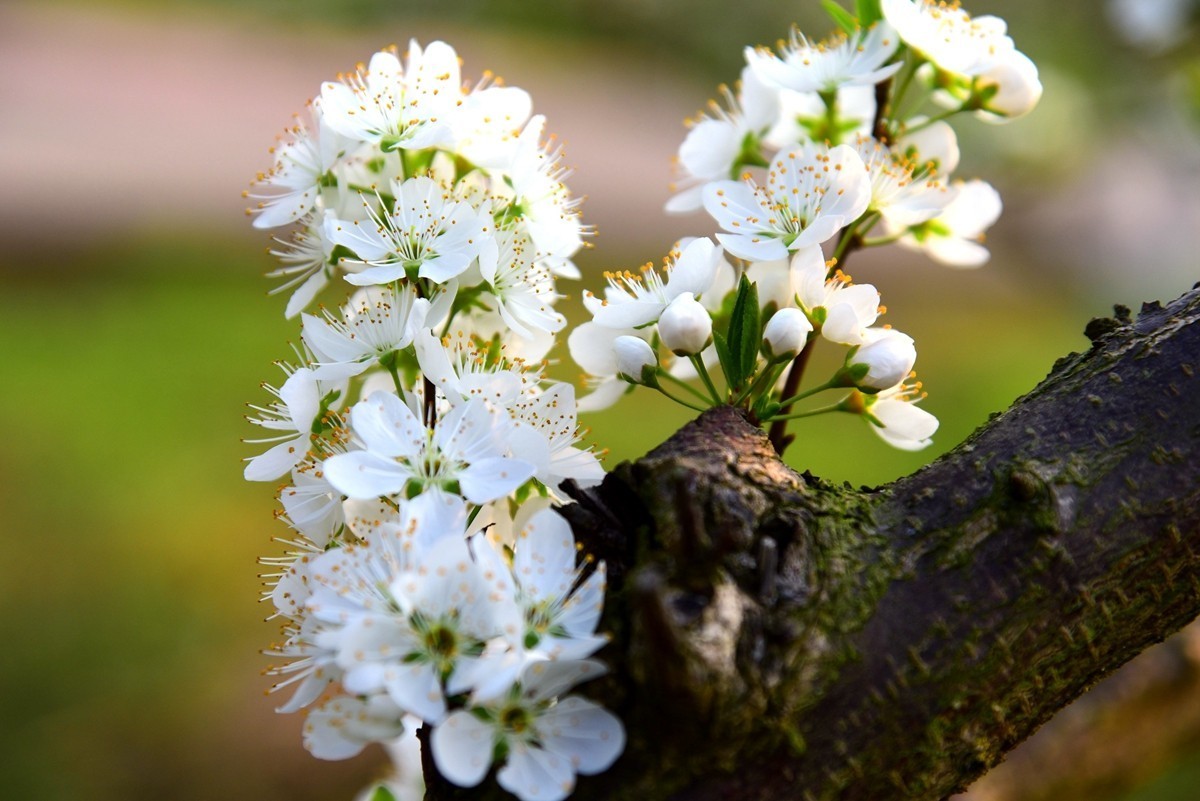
point(546, 743)
point(463, 452)
point(804, 66)
point(840, 310)
point(716, 145)
point(955, 237)
point(811, 193)
point(632, 301)
point(949, 36)
point(394, 105)
point(429, 231)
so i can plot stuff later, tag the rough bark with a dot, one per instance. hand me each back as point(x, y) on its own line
point(1120, 734)
point(780, 637)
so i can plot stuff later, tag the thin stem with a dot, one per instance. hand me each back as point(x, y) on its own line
point(778, 433)
point(395, 377)
point(664, 374)
point(935, 118)
point(766, 378)
point(870, 242)
point(843, 245)
point(681, 401)
point(833, 407)
point(808, 393)
point(907, 73)
point(698, 363)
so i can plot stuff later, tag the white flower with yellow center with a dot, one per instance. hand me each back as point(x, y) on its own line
point(306, 265)
point(546, 741)
point(540, 200)
point(294, 181)
point(429, 233)
point(302, 404)
point(464, 453)
point(462, 368)
point(521, 285)
point(840, 310)
point(344, 725)
point(955, 237)
point(895, 417)
point(414, 609)
point(631, 301)
point(545, 434)
point(716, 144)
point(373, 327)
point(899, 197)
point(948, 36)
point(397, 106)
point(859, 59)
point(811, 193)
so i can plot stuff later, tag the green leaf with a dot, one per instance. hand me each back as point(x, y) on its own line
point(843, 18)
point(382, 794)
point(869, 12)
point(745, 333)
point(722, 346)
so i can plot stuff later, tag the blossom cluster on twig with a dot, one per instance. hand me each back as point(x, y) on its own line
point(823, 148)
point(427, 579)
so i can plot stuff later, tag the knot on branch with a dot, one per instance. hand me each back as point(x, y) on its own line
point(739, 578)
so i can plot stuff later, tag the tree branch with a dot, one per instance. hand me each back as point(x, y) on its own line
point(780, 637)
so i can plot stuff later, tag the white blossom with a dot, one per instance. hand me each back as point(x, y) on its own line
point(521, 285)
point(805, 66)
point(949, 36)
point(374, 325)
point(397, 106)
point(955, 237)
point(811, 193)
point(463, 452)
point(343, 726)
point(632, 301)
point(547, 743)
point(293, 183)
point(894, 416)
point(840, 310)
point(713, 148)
point(429, 231)
point(901, 198)
point(545, 435)
point(294, 414)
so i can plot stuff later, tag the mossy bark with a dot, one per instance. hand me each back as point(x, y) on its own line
point(779, 637)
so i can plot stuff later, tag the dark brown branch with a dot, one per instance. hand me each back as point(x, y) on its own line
point(778, 637)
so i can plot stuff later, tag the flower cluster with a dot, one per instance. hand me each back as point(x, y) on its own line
point(428, 581)
point(824, 148)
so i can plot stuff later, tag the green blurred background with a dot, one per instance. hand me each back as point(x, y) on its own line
point(134, 322)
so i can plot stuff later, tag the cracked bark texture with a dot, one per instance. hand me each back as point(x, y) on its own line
point(776, 636)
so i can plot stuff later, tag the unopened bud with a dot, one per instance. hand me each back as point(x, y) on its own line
point(636, 361)
point(785, 334)
point(1015, 85)
point(883, 362)
point(685, 326)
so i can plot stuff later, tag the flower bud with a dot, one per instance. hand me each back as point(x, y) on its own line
point(1016, 85)
point(883, 362)
point(785, 334)
point(685, 326)
point(634, 358)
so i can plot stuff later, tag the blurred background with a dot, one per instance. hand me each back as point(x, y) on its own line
point(134, 325)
